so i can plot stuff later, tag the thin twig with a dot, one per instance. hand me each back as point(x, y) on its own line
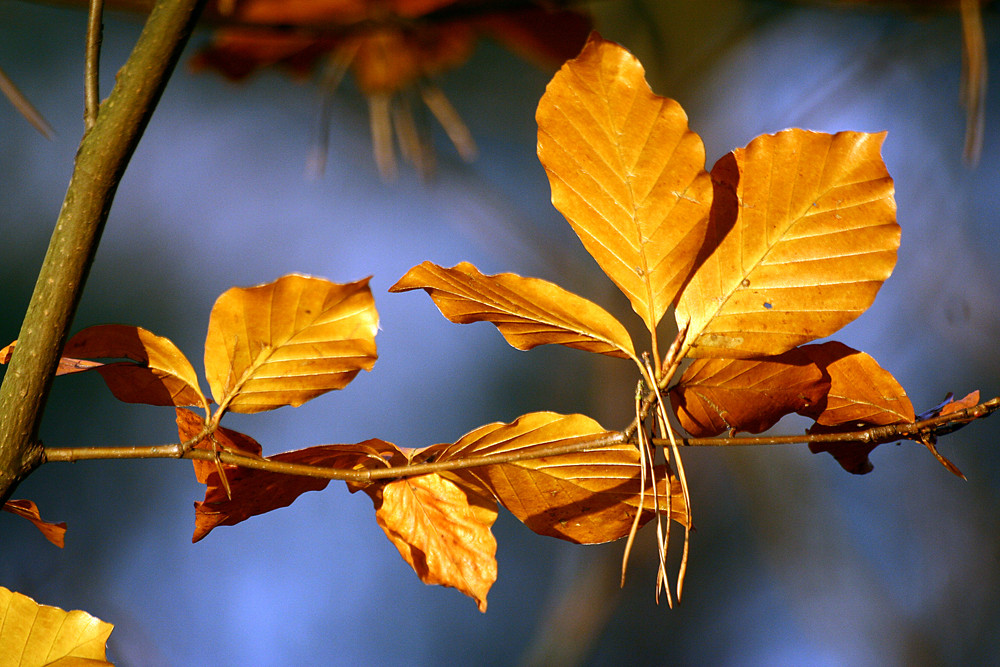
point(92, 64)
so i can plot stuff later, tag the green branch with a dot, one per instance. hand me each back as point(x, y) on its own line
point(100, 162)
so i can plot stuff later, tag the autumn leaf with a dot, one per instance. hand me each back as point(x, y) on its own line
point(33, 634)
point(584, 497)
point(527, 311)
point(53, 532)
point(803, 233)
point(626, 172)
point(67, 365)
point(159, 373)
point(288, 341)
point(441, 527)
point(717, 395)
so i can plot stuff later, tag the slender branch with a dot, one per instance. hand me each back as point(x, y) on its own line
point(100, 162)
point(92, 64)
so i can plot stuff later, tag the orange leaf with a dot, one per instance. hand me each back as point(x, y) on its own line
point(53, 532)
point(626, 172)
point(584, 497)
point(716, 395)
point(66, 365)
point(442, 529)
point(288, 341)
point(527, 311)
point(971, 400)
point(37, 634)
point(803, 233)
point(162, 375)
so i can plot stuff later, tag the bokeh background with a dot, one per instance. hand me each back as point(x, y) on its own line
point(794, 561)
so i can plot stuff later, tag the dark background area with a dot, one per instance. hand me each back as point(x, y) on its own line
point(794, 561)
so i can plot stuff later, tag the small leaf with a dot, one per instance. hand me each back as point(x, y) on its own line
point(527, 311)
point(627, 172)
point(159, 373)
point(802, 235)
point(584, 497)
point(66, 365)
point(442, 529)
point(288, 341)
point(35, 634)
point(53, 532)
point(716, 395)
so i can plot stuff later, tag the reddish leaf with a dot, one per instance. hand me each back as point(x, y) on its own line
point(66, 365)
point(971, 400)
point(441, 527)
point(716, 395)
point(53, 532)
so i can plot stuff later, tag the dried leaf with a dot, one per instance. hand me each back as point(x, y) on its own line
point(971, 400)
point(159, 373)
point(527, 311)
point(442, 529)
point(803, 233)
point(36, 634)
point(288, 341)
point(626, 172)
point(53, 532)
point(716, 395)
point(66, 365)
point(247, 492)
point(585, 497)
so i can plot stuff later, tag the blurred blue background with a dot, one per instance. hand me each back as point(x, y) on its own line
point(794, 561)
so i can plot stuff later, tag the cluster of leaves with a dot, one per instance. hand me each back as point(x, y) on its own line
point(782, 242)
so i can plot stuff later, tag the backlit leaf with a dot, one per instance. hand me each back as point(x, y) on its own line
point(585, 497)
point(527, 311)
point(804, 234)
point(716, 395)
point(288, 341)
point(159, 373)
point(35, 634)
point(53, 532)
point(442, 529)
point(626, 172)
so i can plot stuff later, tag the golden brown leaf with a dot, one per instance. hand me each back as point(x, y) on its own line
point(584, 497)
point(803, 233)
point(716, 395)
point(36, 634)
point(970, 400)
point(527, 311)
point(159, 373)
point(67, 365)
point(53, 532)
point(626, 172)
point(288, 341)
point(442, 529)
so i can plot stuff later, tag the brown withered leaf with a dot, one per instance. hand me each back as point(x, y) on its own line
point(247, 492)
point(53, 532)
point(862, 394)
point(627, 172)
point(67, 365)
point(584, 497)
point(527, 311)
point(970, 400)
point(717, 395)
point(442, 529)
point(159, 373)
point(288, 341)
point(37, 634)
point(804, 233)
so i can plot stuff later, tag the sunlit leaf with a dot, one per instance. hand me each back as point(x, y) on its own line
point(585, 497)
point(288, 341)
point(527, 311)
point(626, 172)
point(804, 234)
point(34, 634)
point(442, 529)
point(159, 373)
point(53, 532)
point(717, 395)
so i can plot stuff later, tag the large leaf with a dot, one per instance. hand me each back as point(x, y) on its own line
point(527, 311)
point(716, 395)
point(626, 172)
point(804, 234)
point(288, 341)
point(585, 497)
point(442, 529)
point(36, 634)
